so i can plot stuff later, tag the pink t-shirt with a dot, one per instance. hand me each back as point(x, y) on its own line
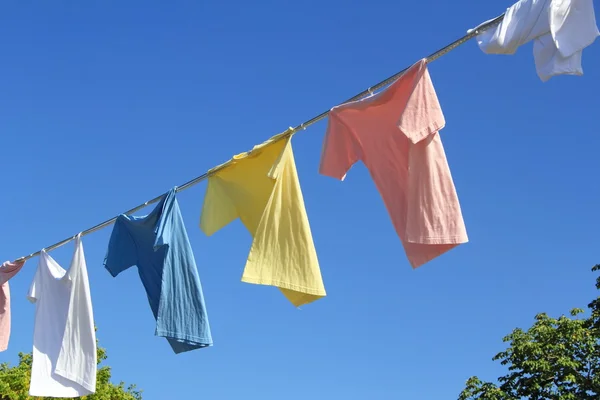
point(395, 134)
point(7, 271)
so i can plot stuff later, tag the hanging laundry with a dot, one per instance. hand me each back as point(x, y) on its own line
point(560, 30)
point(395, 134)
point(158, 245)
point(262, 189)
point(64, 338)
point(7, 271)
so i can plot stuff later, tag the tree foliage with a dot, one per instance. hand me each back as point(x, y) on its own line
point(555, 359)
point(14, 382)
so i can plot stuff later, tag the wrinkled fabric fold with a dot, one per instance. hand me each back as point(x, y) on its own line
point(560, 31)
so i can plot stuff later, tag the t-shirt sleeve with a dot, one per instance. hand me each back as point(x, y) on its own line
point(9, 269)
point(218, 210)
point(279, 165)
point(78, 257)
point(572, 25)
point(340, 148)
point(164, 224)
point(35, 289)
point(422, 115)
point(121, 253)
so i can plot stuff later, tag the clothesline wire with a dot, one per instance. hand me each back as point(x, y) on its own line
point(303, 126)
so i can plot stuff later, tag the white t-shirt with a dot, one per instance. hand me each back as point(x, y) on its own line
point(560, 30)
point(64, 339)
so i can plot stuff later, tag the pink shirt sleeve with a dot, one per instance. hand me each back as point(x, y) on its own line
point(422, 115)
point(340, 148)
point(9, 269)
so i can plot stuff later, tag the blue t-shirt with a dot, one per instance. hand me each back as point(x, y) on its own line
point(158, 245)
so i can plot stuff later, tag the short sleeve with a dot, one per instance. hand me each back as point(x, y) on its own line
point(572, 25)
point(35, 289)
point(78, 258)
point(9, 269)
point(279, 164)
point(422, 115)
point(340, 149)
point(218, 210)
point(121, 253)
point(164, 224)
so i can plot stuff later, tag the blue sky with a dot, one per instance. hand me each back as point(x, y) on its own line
point(106, 104)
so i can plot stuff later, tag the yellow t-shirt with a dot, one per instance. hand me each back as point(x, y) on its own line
point(261, 188)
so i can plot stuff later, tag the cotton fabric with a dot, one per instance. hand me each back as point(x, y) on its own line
point(64, 338)
point(560, 30)
point(158, 245)
point(395, 134)
point(262, 189)
point(7, 271)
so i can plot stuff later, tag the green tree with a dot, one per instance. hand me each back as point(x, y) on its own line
point(555, 359)
point(14, 382)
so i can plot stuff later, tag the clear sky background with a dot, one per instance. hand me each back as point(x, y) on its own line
point(106, 104)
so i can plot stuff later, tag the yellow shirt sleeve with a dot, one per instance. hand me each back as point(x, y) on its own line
point(283, 253)
point(218, 209)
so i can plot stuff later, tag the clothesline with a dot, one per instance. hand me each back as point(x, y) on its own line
point(434, 56)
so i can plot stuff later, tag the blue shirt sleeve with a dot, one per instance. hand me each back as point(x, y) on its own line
point(164, 225)
point(121, 253)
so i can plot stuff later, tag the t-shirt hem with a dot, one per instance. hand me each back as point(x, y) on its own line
point(545, 77)
point(459, 239)
point(190, 340)
point(81, 382)
point(44, 394)
point(284, 285)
